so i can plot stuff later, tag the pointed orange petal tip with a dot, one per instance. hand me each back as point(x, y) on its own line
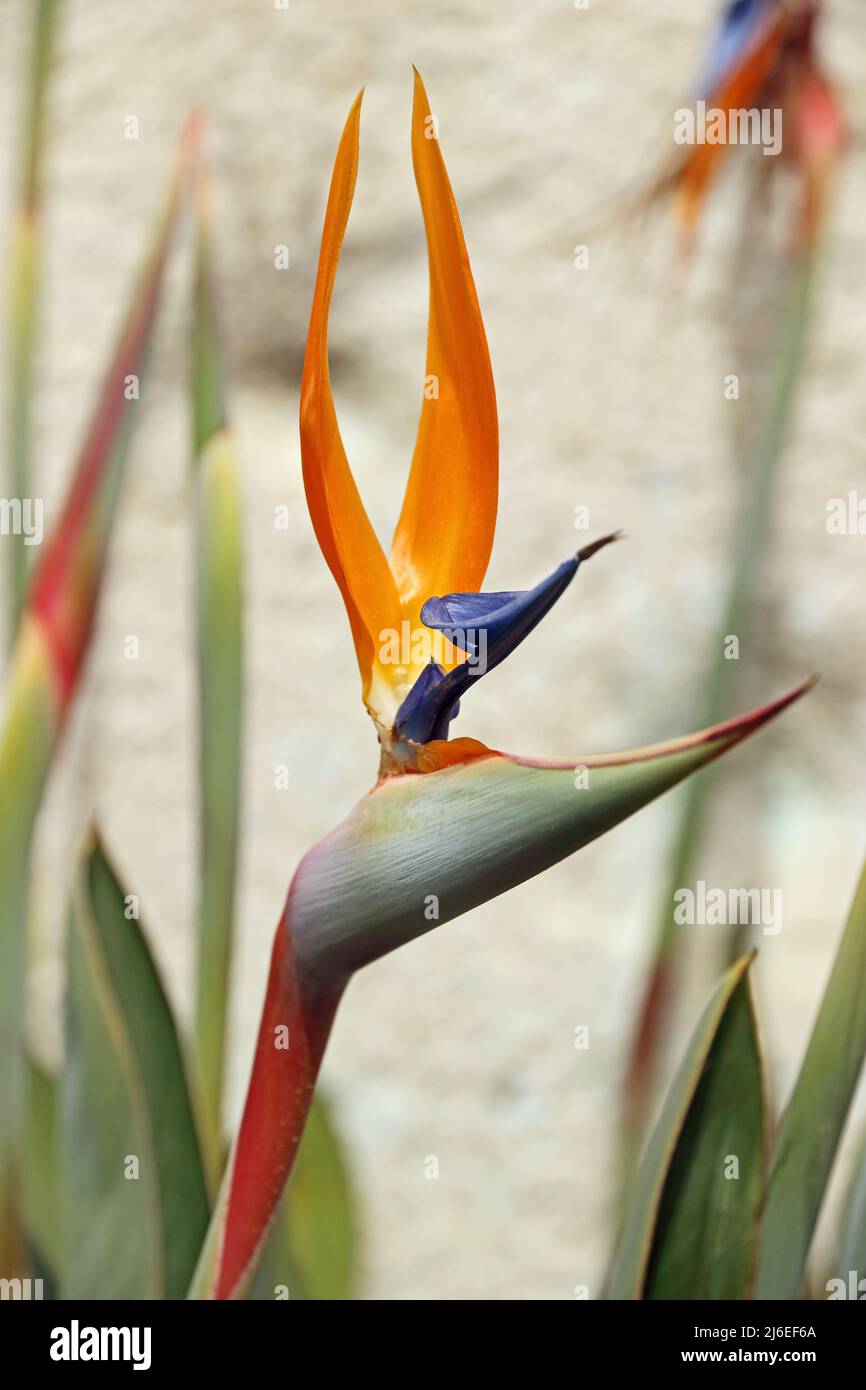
point(346, 538)
point(444, 535)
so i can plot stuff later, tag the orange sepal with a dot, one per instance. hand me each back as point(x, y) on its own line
point(443, 539)
point(343, 530)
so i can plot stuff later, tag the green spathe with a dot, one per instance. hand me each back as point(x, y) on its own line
point(421, 849)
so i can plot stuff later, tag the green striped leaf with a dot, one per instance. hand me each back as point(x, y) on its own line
point(45, 671)
point(134, 1203)
point(691, 1228)
point(852, 1244)
point(40, 1176)
point(812, 1124)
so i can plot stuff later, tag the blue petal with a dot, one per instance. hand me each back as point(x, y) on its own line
point(421, 701)
point(460, 616)
point(733, 37)
point(487, 627)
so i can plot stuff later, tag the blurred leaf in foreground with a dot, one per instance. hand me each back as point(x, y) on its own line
point(220, 667)
point(46, 664)
point(852, 1243)
point(40, 1176)
point(24, 258)
point(134, 1207)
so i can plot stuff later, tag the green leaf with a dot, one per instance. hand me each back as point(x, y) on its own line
point(691, 1227)
point(852, 1255)
point(51, 645)
point(811, 1127)
point(320, 1213)
point(135, 1208)
point(220, 667)
point(40, 1177)
point(312, 1250)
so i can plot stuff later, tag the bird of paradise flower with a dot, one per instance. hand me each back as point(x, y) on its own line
point(448, 820)
point(763, 55)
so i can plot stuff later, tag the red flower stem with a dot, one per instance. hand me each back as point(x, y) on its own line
point(296, 1023)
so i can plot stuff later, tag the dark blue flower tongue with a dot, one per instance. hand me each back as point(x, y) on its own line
point(487, 627)
point(421, 704)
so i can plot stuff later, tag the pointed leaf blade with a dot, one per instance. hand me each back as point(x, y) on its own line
point(691, 1229)
point(812, 1124)
point(131, 1160)
point(66, 584)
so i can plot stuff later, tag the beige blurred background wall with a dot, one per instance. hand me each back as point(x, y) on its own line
point(610, 386)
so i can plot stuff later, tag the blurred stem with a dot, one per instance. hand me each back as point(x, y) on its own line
point(650, 1035)
point(220, 658)
point(24, 274)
